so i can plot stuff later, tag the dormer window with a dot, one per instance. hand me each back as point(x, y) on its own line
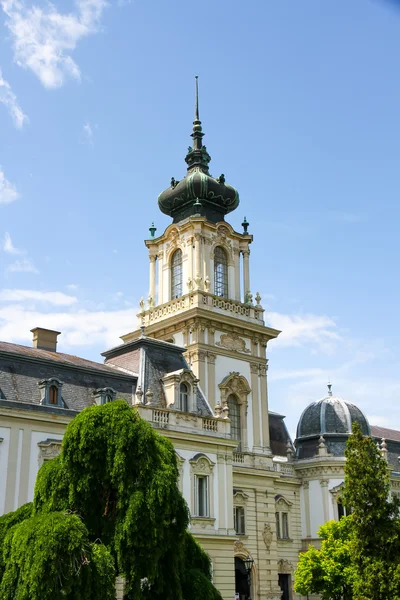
point(104, 395)
point(50, 391)
point(184, 397)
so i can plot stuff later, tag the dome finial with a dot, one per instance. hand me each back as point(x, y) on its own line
point(196, 113)
point(329, 389)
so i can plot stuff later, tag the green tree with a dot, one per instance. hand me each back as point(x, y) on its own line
point(328, 571)
point(108, 504)
point(375, 531)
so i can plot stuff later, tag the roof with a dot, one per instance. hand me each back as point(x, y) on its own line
point(383, 432)
point(57, 357)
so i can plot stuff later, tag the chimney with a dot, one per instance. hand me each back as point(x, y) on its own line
point(45, 339)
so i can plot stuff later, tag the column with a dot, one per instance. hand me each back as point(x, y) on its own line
point(264, 406)
point(246, 273)
point(256, 402)
point(152, 291)
point(197, 250)
point(306, 489)
point(160, 278)
point(325, 499)
point(236, 258)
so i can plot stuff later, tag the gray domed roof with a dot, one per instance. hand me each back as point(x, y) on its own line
point(331, 415)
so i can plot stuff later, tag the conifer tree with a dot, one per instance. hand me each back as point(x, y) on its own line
point(109, 504)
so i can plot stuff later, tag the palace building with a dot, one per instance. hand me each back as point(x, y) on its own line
point(196, 368)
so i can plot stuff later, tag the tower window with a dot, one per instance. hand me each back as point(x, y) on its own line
point(184, 397)
point(234, 415)
point(176, 274)
point(220, 272)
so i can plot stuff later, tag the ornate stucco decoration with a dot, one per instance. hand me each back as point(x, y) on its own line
point(48, 449)
point(282, 503)
point(285, 566)
point(201, 464)
point(235, 384)
point(232, 341)
point(240, 498)
point(267, 535)
point(240, 549)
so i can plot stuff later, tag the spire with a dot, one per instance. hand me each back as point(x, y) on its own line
point(329, 389)
point(197, 155)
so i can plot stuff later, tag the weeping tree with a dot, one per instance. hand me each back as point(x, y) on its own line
point(108, 505)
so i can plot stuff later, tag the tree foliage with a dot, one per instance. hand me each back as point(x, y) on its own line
point(328, 571)
point(360, 555)
point(375, 539)
point(115, 481)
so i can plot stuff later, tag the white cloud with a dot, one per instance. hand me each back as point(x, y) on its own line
point(79, 327)
point(72, 286)
point(300, 330)
point(9, 99)
point(8, 245)
point(88, 132)
point(8, 193)
point(55, 298)
point(24, 265)
point(44, 39)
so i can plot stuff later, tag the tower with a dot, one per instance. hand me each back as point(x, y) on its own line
point(200, 298)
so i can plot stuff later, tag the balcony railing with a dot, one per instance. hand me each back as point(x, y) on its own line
point(176, 419)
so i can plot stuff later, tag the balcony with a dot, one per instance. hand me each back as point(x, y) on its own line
point(164, 418)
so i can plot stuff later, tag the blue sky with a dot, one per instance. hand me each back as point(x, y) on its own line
point(299, 102)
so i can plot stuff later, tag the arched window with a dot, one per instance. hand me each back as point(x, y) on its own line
point(53, 395)
point(184, 397)
point(234, 415)
point(220, 272)
point(176, 274)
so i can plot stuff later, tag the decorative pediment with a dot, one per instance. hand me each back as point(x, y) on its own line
point(49, 449)
point(231, 341)
point(240, 549)
point(282, 503)
point(239, 497)
point(235, 384)
point(201, 464)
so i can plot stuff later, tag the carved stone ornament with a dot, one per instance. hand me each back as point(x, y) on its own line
point(232, 341)
point(202, 465)
point(285, 566)
point(48, 449)
point(267, 535)
point(240, 549)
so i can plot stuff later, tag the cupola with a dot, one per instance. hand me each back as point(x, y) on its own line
point(332, 418)
point(198, 193)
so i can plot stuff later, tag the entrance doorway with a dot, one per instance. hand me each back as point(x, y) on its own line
point(284, 582)
point(242, 587)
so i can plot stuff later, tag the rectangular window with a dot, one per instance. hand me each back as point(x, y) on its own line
point(238, 518)
point(201, 496)
point(285, 525)
point(278, 525)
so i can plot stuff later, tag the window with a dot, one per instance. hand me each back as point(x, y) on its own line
point(234, 415)
point(104, 395)
point(278, 525)
point(50, 392)
point(53, 395)
point(285, 525)
point(220, 272)
point(201, 507)
point(282, 525)
point(176, 274)
point(238, 520)
point(184, 397)
point(343, 511)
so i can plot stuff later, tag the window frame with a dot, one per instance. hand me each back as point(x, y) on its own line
point(45, 386)
point(239, 519)
point(221, 270)
point(202, 497)
point(176, 269)
point(104, 395)
point(184, 396)
point(232, 400)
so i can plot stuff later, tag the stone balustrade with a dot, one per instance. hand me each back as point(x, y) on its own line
point(202, 299)
point(173, 419)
